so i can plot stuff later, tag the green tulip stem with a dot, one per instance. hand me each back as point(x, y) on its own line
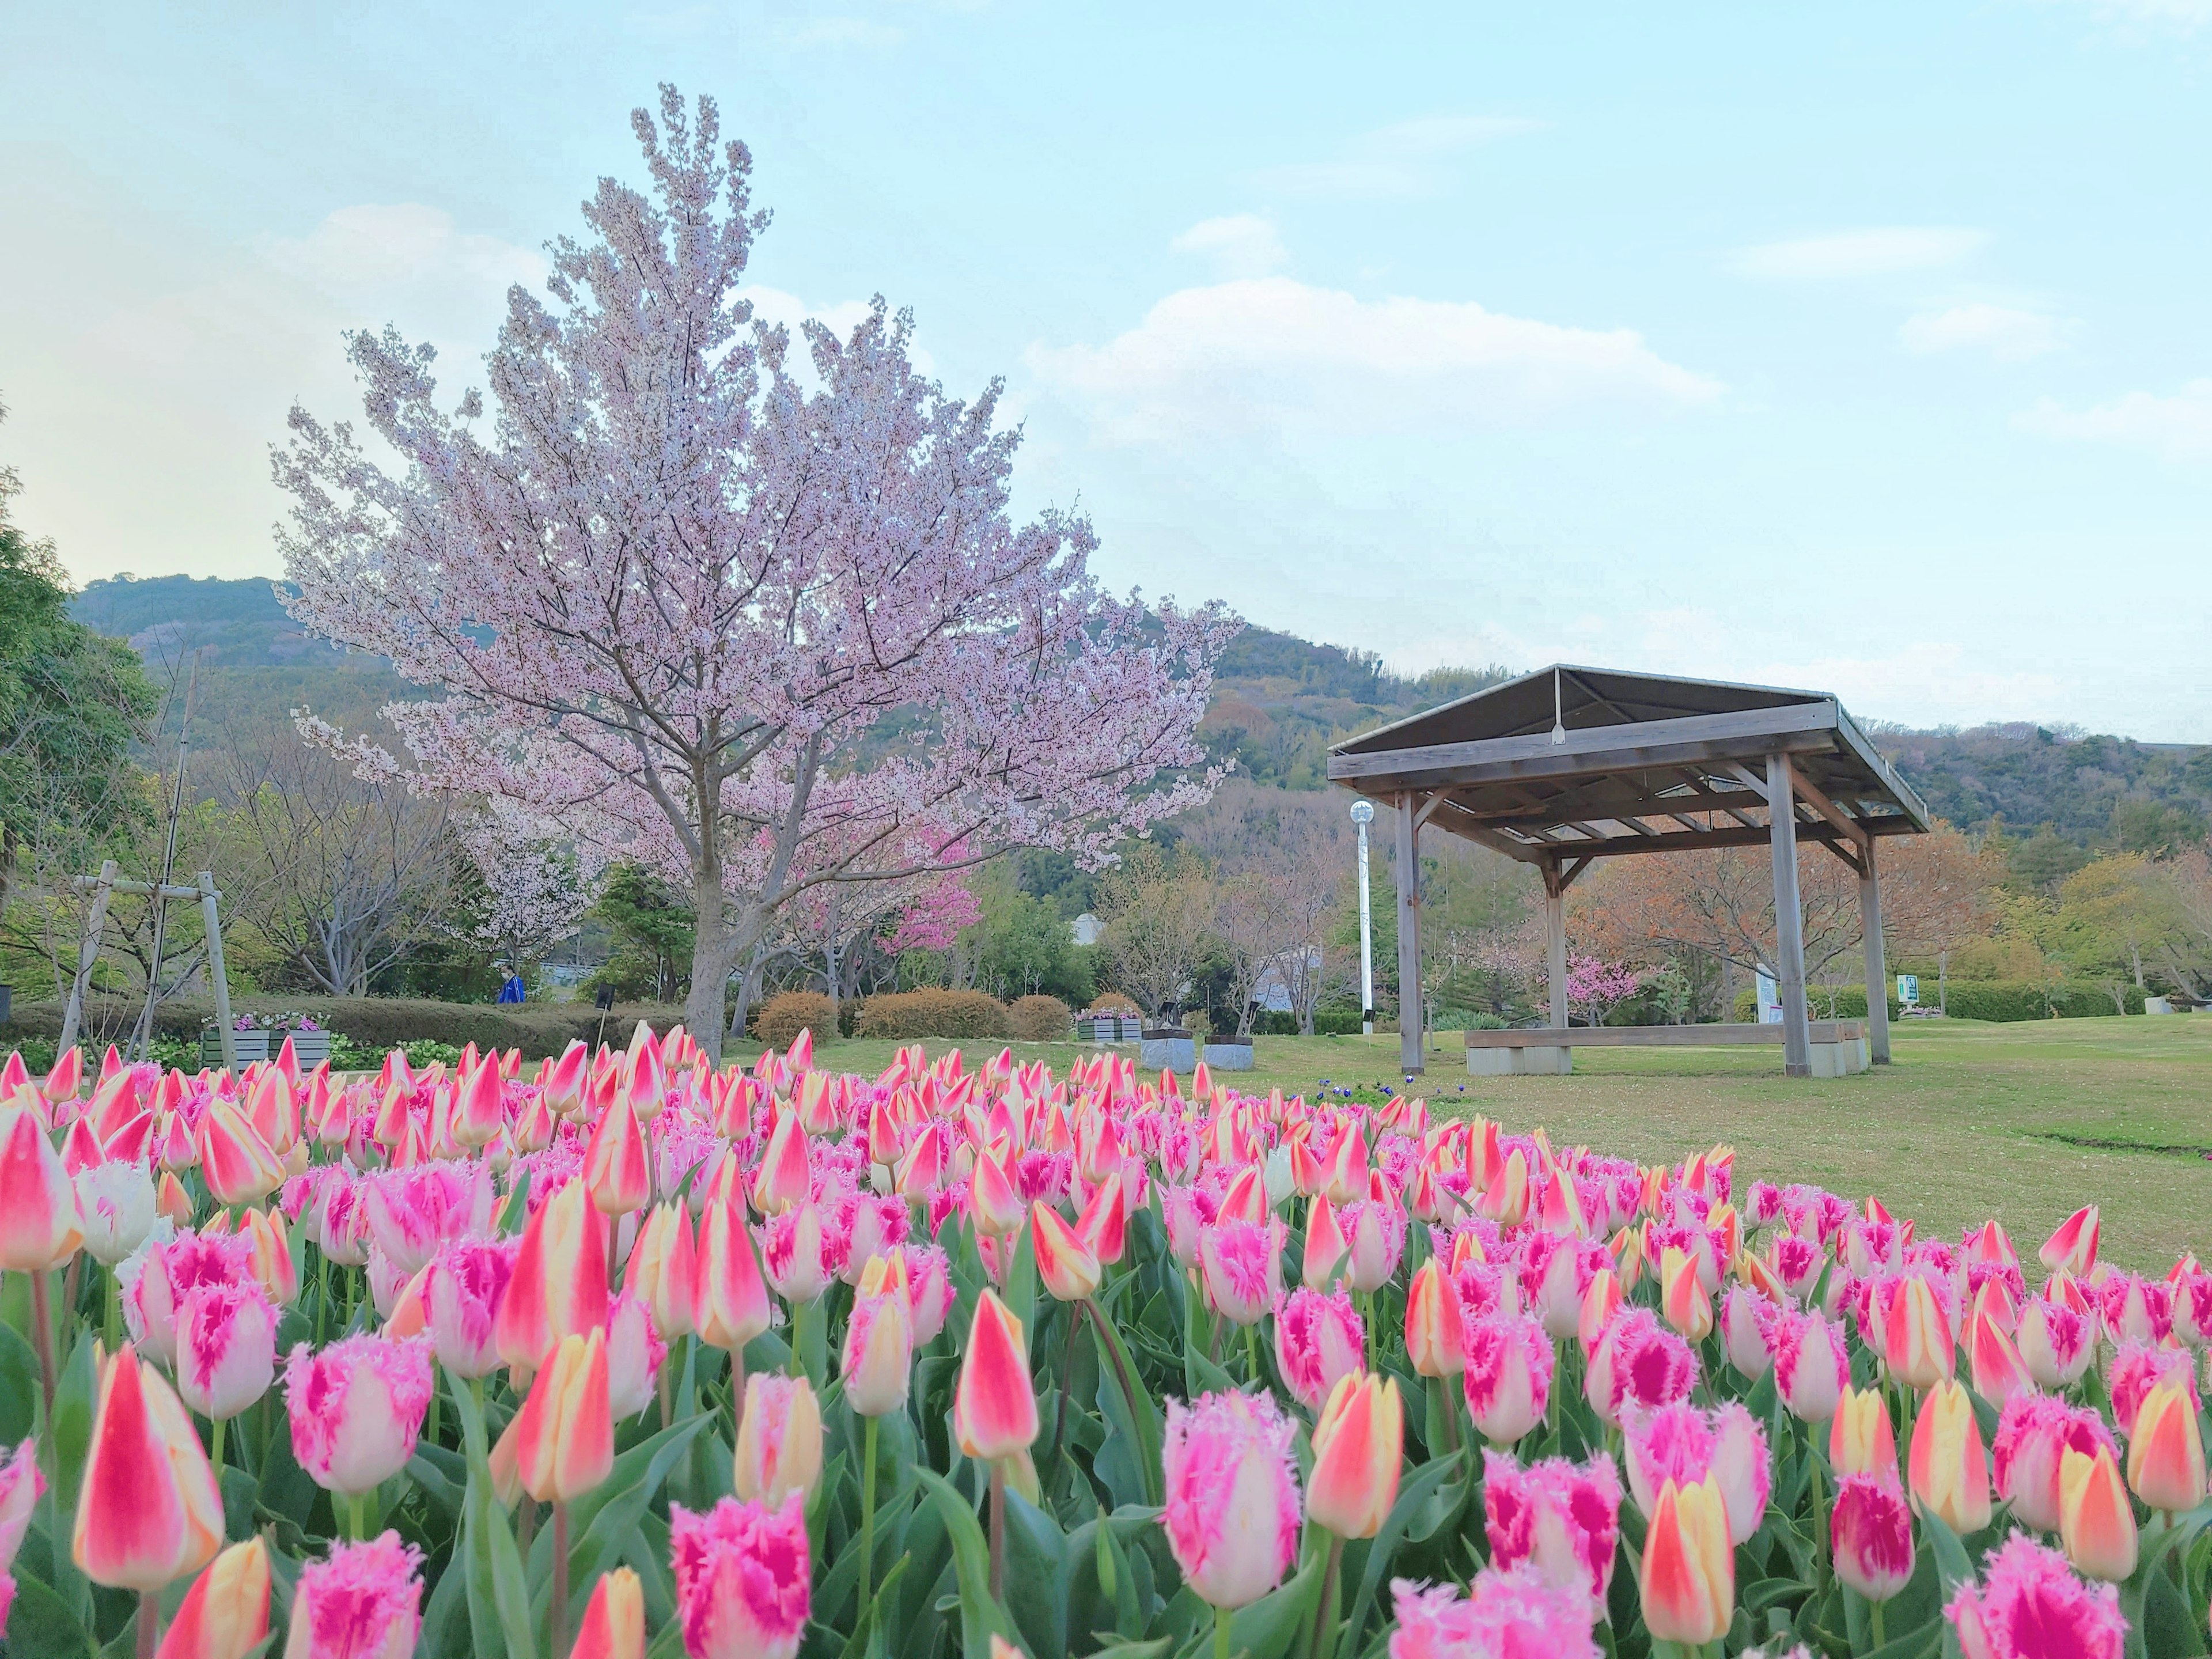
point(1252, 1349)
point(998, 1532)
point(1221, 1633)
point(149, 1616)
point(42, 1338)
point(867, 1512)
point(214, 1448)
point(558, 1611)
point(1874, 1619)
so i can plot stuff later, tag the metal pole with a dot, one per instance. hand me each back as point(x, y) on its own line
point(141, 1045)
point(1410, 1057)
point(1363, 814)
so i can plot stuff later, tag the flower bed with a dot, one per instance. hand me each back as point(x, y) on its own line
point(622, 1354)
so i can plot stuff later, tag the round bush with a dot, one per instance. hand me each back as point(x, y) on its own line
point(784, 1016)
point(1040, 1019)
point(1113, 1002)
point(902, 1015)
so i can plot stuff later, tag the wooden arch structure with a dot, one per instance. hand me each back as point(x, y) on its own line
point(1568, 764)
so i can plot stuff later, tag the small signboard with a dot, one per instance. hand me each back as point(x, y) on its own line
point(1908, 990)
point(1769, 1000)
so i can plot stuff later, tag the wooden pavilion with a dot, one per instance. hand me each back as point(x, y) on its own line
point(1568, 765)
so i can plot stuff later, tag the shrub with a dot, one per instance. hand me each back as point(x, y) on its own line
point(784, 1016)
point(1113, 1002)
point(902, 1015)
point(1269, 1021)
point(1337, 1022)
point(2002, 1000)
point(1041, 1019)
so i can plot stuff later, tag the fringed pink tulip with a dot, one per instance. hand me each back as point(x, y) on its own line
point(635, 1354)
point(1240, 1268)
point(1232, 1496)
point(1745, 1316)
point(21, 1487)
point(1871, 1536)
point(794, 1252)
point(1637, 1364)
point(779, 1439)
point(1561, 1518)
point(226, 1348)
point(2029, 1605)
point(2034, 1433)
point(1508, 1380)
point(226, 1612)
point(1518, 1615)
point(364, 1602)
point(743, 1577)
point(2056, 1341)
point(1685, 1445)
point(115, 1209)
point(463, 1288)
point(147, 1511)
point(356, 1408)
point(1319, 1340)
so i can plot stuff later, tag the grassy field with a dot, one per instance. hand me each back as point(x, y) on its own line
point(2024, 1123)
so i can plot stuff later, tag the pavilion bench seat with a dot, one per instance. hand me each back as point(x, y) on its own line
point(1839, 1047)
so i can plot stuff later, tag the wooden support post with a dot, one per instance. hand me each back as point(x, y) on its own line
point(1877, 970)
point(1555, 931)
point(216, 976)
point(86, 954)
point(1410, 1057)
point(1789, 919)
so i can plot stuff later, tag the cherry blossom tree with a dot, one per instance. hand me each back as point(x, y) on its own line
point(757, 629)
point(1594, 986)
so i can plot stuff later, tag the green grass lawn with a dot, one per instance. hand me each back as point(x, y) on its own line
point(2023, 1122)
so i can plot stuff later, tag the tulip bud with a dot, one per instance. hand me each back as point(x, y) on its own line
point(2096, 1526)
point(1684, 1302)
point(355, 1409)
point(226, 1612)
point(784, 1178)
point(561, 1444)
point(1948, 1469)
point(1104, 1224)
point(779, 1439)
point(1436, 1338)
point(613, 1626)
point(994, 1202)
point(148, 1511)
point(617, 1172)
point(1318, 1341)
point(730, 1300)
point(240, 1167)
point(115, 1208)
point(1069, 1271)
point(742, 1578)
point(1993, 1359)
point(39, 1223)
point(2073, 1248)
point(1861, 1440)
point(1240, 1268)
point(1688, 1582)
point(480, 1107)
point(1232, 1496)
point(664, 1269)
point(994, 1411)
point(1871, 1536)
point(879, 1357)
point(1358, 1444)
point(635, 1354)
point(2165, 1449)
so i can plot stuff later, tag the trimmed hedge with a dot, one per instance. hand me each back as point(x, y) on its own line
point(904, 1015)
point(538, 1030)
point(1040, 1019)
point(2001, 1000)
point(783, 1017)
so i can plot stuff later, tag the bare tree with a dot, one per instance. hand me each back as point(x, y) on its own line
point(1159, 911)
point(1284, 859)
point(345, 873)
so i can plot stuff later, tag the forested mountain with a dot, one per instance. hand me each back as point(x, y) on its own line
point(1278, 702)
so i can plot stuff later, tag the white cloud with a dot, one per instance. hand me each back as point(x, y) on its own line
point(1402, 160)
point(2183, 15)
point(2178, 428)
point(1276, 353)
point(1238, 245)
point(380, 256)
point(1878, 251)
point(2006, 332)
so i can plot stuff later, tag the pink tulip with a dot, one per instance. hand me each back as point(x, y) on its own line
point(1745, 1316)
point(1359, 1445)
point(794, 1254)
point(115, 1209)
point(226, 1347)
point(466, 1281)
point(2073, 1248)
point(2029, 1605)
point(364, 1602)
point(1240, 1268)
point(743, 1576)
point(878, 1356)
point(635, 1354)
point(1232, 1496)
point(166, 1274)
point(1811, 1370)
point(1517, 1614)
point(2034, 1431)
point(1376, 1232)
point(148, 1509)
point(1681, 1444)
point(1507, 1377)
point(2056, 1341)
point(779, 1448)
point(1637, 1364)
point(928, 1274)
point(1318, 1339)
point(20, 1484)
point(38, 1227)
point(356, 1408)
point(1562, 1517)
point(1555, 1272)
point(994, 1410)
point(2136, 1368)
point(1871, 1530)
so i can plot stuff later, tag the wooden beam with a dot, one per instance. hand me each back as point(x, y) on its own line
point(1428, 807)
point(1651, 743)
point(1568, 875)
point(1813, 795)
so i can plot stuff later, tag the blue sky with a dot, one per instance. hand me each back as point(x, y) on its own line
point(1868, 349)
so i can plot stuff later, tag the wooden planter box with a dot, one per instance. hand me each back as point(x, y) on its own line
point(310, 1049)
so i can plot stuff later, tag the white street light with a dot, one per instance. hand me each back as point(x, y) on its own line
point(1363, 814)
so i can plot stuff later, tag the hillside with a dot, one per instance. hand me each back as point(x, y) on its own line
point(1278, 702)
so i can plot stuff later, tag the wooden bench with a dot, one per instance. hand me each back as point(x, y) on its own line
point(1840, 1046)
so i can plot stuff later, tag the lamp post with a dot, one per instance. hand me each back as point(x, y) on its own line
point(1363, 814)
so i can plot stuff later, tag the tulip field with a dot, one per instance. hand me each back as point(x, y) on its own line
point(626, 1353)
